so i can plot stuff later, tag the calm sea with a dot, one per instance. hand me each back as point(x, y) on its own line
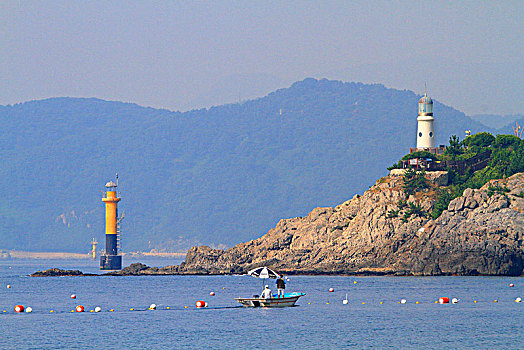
point(321, 321)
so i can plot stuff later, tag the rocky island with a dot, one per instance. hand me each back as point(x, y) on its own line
point(466, 220)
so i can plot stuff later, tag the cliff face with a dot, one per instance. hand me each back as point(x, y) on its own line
point(382, 232)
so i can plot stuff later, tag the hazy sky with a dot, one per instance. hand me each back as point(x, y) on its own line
point(181, 55)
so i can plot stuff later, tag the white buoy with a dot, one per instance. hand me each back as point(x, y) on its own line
point(345, 301)
point(8, 286)
point(454, 300)
point(518, 300)
point(331, 290)
point(98, 309)
point(152, 307)
point(212, 293)
point(73, 296)
point(29, 309)
point(403, 301)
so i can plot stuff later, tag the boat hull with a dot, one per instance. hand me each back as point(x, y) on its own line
point(286, 301)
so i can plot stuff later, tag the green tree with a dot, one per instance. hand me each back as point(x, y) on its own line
point(414, 181)
point(507, 141)
point(479, 141)
point(455, 147)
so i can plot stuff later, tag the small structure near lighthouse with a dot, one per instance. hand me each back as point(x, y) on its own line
point(111, 258)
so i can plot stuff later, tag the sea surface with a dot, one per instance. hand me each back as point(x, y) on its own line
point(320, 321)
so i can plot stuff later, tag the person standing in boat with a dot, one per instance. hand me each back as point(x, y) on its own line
point(281, 286)
point(266, 293)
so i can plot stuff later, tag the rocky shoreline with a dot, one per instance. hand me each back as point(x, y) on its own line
point(382, 232)
point(386, 232)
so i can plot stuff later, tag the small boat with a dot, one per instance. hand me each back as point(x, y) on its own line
point(289, 299)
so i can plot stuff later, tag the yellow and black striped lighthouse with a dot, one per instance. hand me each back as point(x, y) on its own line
point(111, 258)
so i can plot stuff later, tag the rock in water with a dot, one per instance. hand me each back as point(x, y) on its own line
point(57, 272)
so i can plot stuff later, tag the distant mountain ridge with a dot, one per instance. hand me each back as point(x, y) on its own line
point(211, 176)
point(500, 122)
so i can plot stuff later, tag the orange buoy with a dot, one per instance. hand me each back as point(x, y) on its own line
point(443, 300)
point(331, 290)
point(79, 308)
point(8, 286)
point(19, 308)
point(73, 296)
point(511, 285)
point(201, 303)
point(212, 293)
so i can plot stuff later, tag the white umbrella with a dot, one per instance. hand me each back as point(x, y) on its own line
point(263, 272)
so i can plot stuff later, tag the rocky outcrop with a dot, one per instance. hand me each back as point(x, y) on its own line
point(136, 269)
point(385, 232)
point(59, 272)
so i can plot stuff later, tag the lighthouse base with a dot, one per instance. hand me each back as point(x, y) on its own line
point(111, 262)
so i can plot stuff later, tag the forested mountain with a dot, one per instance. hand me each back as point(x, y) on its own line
point(213, 176)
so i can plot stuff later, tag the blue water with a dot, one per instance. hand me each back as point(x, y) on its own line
point(314, 324)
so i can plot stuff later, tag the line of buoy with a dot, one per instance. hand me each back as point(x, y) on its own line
point(202, 304)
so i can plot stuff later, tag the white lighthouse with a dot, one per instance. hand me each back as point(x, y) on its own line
point(425, 131)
